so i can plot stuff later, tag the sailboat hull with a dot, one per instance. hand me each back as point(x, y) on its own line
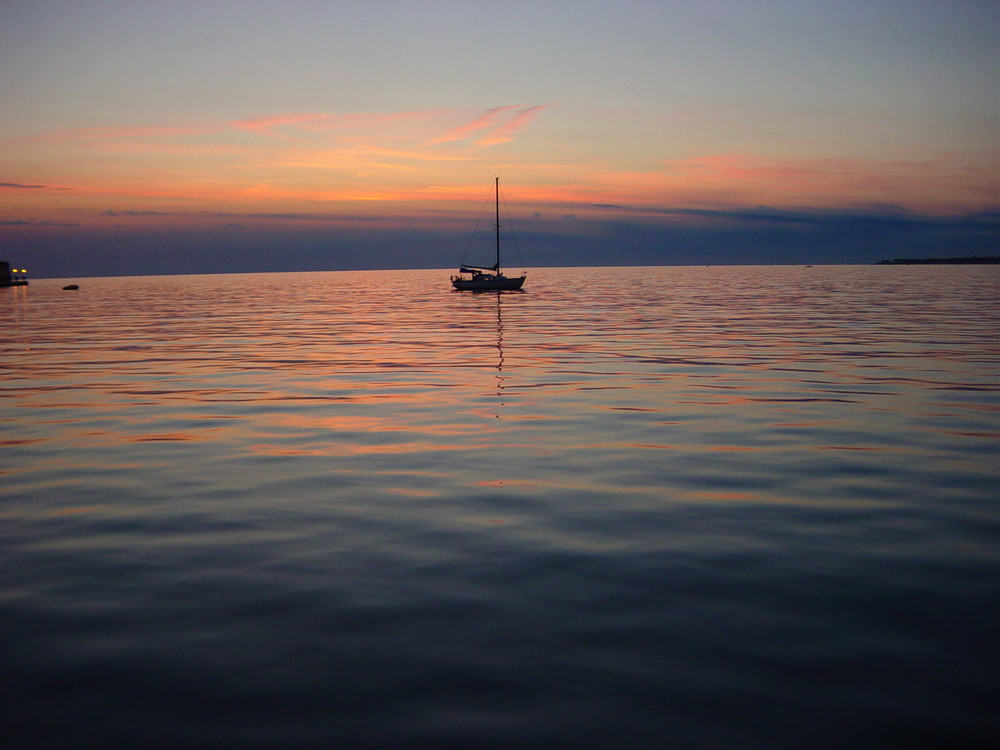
point(495, 283)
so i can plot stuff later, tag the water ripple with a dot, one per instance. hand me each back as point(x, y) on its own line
point(666, 507)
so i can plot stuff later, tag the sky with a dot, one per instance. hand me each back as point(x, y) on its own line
point(167, 136)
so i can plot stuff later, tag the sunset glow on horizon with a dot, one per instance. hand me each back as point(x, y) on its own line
point(645, 112)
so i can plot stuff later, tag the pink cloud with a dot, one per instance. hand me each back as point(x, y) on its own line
point(266, 125)
point(501, 132)
point(485, 120)
point(388, 130)
point(98, 134)
point(507, 131)
point(948, 181)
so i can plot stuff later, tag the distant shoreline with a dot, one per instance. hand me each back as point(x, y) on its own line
point(977, 260)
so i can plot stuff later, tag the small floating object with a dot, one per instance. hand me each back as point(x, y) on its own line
point(70, 287)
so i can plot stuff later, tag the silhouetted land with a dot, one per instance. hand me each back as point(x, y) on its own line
point(940, 261)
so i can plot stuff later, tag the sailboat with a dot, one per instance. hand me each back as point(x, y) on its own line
point(488, 278)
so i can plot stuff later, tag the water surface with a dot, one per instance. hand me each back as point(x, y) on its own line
point(673, 507)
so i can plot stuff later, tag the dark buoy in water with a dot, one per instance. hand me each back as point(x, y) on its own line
point(71, 286)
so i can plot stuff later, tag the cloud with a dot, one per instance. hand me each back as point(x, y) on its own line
point(98, 134)
point(289, 241)
point(462, 132)
point(113, 212)
point(348, 143)
point(278, 125)
point(503, 130)
point(507, 131)
point(35, 223)
point(267, 125)
point(288, 216)
point(943, 183)
point(884, 215)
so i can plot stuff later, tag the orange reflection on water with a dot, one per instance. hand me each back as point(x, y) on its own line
point(413, 447)
point(504, 483)
point(724, 496)
point(412, 492)
point(348, 424)
point(74, 511)
point(179, 437)
point(871, 448)
point(269, 449)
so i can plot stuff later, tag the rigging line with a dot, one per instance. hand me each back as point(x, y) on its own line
point(510, 230)
point(475, 231)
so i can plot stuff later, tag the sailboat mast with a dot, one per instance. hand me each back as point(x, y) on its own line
point(498, 222)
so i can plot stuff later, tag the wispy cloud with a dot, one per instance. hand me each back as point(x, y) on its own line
point(100, 134)
point(268, 125)
point(485, 120)
point(944, 183)
point(112, 212)
point(35, 223)
point(506, 131)
point(403, 134)
point(501, 129)
point(19, 186)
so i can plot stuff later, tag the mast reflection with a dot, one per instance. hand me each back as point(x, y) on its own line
point(499, 376)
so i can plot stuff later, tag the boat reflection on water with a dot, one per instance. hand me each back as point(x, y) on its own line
point(500, 375)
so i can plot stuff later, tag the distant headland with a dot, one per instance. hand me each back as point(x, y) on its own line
point(976, 260)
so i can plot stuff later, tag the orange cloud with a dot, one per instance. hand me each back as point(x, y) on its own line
point(401, 134)
point(99, 134)
point(307, 159)
point(945, 182)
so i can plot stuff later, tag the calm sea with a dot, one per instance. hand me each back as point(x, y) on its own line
point(747, 507)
